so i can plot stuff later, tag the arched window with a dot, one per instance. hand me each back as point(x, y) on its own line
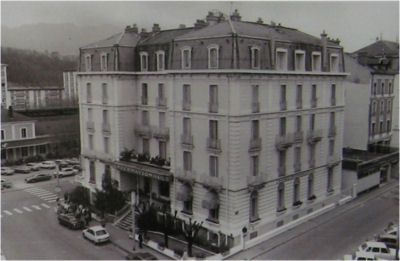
point(296, 191)
point(310, 188)
point(255, 57)
point(143, 61)
point(253, 206)
point(160, 60)
point(186, 53)
point(281, 197)
point(213, 56)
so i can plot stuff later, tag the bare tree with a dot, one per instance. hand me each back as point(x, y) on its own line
point(190, 232)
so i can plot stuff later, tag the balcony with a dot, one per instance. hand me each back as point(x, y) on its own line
point(283, 142)
point(256, 182)
point(214, 145)
point(143, 131)
point(161, 133)
point(215, 183)
point(333, 160)
point(298, 137)
point(187, 176)
point(186, 105)
point(283, 105)
point(144, 100)
point(255, 144)
point(314, 136)
point(282, 171)
point(213, 107)
point(106, 129)
point(90, 126)
point(187, 141)
point(314, 103)
point(161, 102)
point(255, 107)
point(332, 131)
point(297, 166)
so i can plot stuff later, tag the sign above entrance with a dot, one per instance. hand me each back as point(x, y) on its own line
point(144, 170)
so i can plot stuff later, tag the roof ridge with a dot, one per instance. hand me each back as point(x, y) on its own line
point(120, 38)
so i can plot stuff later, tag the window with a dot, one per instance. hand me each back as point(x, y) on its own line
point(214, 214)
point(160, 60)
point(282, 162)
point(330, 180)
point(146, 146)
point(296, 190)
point(105, 93)
point(187, 161)
point(388, 126)
point(213, 125)
point(89, 92)
point(23, 133)
point(255, 57)
point(332, 120)
point(373, 107)
point(213, 57)
point(254, 98)
point(310, 189)
point(186, 57)
point(162, 149)
point(186, 97)
point(283, 97)
point(382, 109)
point(105, 118)
point(282, 126)
point(90, 114)
point(106, 145)
point(24, 151)
point(187, 126)
point(163, 188)
point(92, 172)
point(161, 92)
point(144, 93)
point(90, 142)
point(213, 98)
point(188, 206)
point(104, 62)
point(333, 94)
point(389, 106)
point(297, 158)
point(88, 62)
point(255, 129)
point(331, 147)
point(374, 88)
point(316, 61)
point(390, 88)
point(161, 119)
point(381, 129)
point(145, 118)
point(254, 165)
point(281, 197)
point(299, 60)
point(382, 88)
point(281, 59)
point(213, 166)
point(2, 135)
point(143, 61)
point(313, 96)
point(312, 122)
point(298, 123)
point(253, 206)
point(299, 96)
point(312, 156)
point(373, 128)
point(334, 63)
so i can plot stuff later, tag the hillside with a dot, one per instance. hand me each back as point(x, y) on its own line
point(31, 68)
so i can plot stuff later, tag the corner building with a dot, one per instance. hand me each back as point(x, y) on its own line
point(247, 116)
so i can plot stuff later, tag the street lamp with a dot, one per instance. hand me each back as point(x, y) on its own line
point(133, 201)
point(58, 189)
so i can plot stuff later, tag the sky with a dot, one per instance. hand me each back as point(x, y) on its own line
point(355, 23)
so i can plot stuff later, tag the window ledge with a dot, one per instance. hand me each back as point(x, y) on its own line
point(254, 220)
point(281, 211)
point(213, 221)
point(187, 213)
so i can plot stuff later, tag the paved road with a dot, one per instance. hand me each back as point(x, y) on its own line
point(334, 234)
point(30, 229)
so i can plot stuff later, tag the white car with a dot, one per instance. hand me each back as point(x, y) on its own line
point(96, 234)
point(379, 249)
point(48, 165)
point(5, 184)
point(34, 166)
point(7, 171)
point(360, 255)
point(65, 172)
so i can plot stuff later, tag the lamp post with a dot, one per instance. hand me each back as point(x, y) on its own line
point(133, 201)
point(58, 189)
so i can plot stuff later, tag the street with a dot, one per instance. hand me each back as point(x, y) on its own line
point(30, 229)
point(335, 233)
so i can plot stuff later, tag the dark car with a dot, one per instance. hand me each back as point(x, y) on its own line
point(69, 220)
point(38, 177)
point(141, 256)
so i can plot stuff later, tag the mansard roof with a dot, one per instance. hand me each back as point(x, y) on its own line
point(5, 117)
point(127, 39)
point(165, 36)
point(380, 48)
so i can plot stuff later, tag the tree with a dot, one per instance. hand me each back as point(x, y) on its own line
point(190, 232)
point(167, 224)
point(147, 216)
point(79, 196)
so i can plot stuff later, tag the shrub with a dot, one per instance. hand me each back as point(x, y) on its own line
point(178, 251)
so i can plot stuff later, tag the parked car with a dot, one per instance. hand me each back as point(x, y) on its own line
point(34, 166)
point(73, 161)
point(7, 171)
point(389, 239)
point(393, 230)
point(96, 234)
point(22, 169)
point(62, 163)
point(69, 220)
point(5, 184)
point(38, 177)
point(48, 165)
point(65, 172)
point(141, 256)
point(360, 255)
point(379, 249)
point(77, 167)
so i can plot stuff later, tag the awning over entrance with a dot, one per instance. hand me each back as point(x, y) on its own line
point(184, 192)
point(25, 142)
point(210, 200)
point(144, 170)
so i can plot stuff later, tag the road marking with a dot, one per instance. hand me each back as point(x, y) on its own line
point(27, 209)
point(36, 207)
point(7, 212)
point(18, 211)
point(51, 201)
point(44, 205)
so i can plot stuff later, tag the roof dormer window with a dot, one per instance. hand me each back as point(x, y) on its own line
point(334, 65)
point(104, 62)
point(281, 59)
point(316, 61)
point(160, 60)
point(300, 61)
point(213, 56)
point(255, 57)
point(186, 57)
point(143, 61)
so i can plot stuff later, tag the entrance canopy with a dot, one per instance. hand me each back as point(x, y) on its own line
point(144, 170)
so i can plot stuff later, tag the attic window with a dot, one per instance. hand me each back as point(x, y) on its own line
point(213, 56)
point(104, 62)
point(299, 60)
point(186, 53)
point(281, 59)
point(160, 60)
point(334, 63)
point(143, 61)
point(255, 57)
point(316, 61)
point(88, 62)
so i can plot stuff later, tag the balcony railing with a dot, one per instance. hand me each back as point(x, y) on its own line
point(214, 144)
point(314, 103)
point(106, 129)
point(297, 166)
point(211, 182)
point(314, 136)
point(283, 105)
point(298, 137)
point(186, 105)
point(143, 131)
point(255, 144)
point(161, 133)
point(161, 101)
point(144, 100)
point(213, 107)
point(90, 126)
point(255, 107)
point(283, 142)
point(256, 182)
point(187, 140)
point(332, 131)
point(282, 171)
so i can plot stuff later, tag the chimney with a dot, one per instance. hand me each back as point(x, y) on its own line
point(182, 26)
point(10, 112)
point(200, 24)
point(133, 29)
point(324, 40)
point(211, 18)
point(260, 21)
point(156, 28)
point(236, 16)
point(144, 33)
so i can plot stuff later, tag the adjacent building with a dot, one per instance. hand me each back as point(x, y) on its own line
point(5, 95)
point(234, 123)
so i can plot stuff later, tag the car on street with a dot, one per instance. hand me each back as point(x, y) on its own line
point(48, 165)
point(5, 184)
point(69, 220)
point(65, 172)
point(7, 171)
point(34, 166)
point(96, 234)
point(390, 240)
point(141, 256)
point(38, 177)
point(22, 169)
point(360, 255)
point(62, 163)
point(73, 161)
point(379, 249)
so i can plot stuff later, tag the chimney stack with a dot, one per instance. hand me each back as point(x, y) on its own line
point(182, 26)
point(200, 24)
point(260, 21)
point(236, 16)
point(211, 18)
point(324, 40)
point(156, 28)
point(144, 33)
point(133, 29)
